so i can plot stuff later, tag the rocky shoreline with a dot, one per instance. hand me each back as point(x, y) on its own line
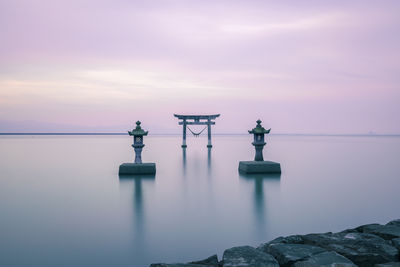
point(371, 245)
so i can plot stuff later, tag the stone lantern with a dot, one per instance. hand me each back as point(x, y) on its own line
point(259, 142)
point(259, 165)
point(138, 167)
point(138, 145)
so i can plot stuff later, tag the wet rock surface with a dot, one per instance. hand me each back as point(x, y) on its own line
point(287, 254)
point(178, 265)
point(389, 264)
point(325, 259)
point(292, 239)
point(368, 245)
point(361, 248)
point(247, 256)
point(387, 232)
point(210, 261)
point(394, 222)
point(396, 243)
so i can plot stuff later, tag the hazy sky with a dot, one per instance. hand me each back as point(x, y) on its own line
point(300, 66)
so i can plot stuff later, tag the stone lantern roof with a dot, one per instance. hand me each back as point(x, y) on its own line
point(259, 129)
point(138, 131)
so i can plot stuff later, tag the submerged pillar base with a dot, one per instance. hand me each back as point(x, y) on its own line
point(259, 167)
point(137, 168)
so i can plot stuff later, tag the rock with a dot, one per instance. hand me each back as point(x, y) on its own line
point(353, 230)
point(287, 254)
point(387, 232)
point(247, 256)
point(292, 239)
point(389, 264)
point(367, 245)
point(177, 265)
point(394, 222)
point(367, 227)
point(325, 259)
point(396, 243)
point(361, 248)
point(210, 261)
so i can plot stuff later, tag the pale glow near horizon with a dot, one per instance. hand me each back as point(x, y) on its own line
point(100, 65)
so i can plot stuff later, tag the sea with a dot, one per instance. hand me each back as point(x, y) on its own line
point(62, 202)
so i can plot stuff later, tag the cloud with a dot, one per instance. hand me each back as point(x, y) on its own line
point(98, 61)
point(308, 23)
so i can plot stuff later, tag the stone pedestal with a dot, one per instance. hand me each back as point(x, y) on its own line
point(259, 167)
point(137, 168)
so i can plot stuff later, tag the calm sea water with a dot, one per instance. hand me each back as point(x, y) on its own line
point(62, 202)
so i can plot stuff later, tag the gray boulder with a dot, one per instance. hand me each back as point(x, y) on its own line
point(247, 256)
point(177, 265)
point(287, 254)
point(210, 261)
point(325, 259)
point(396, 243)
point(394, 222)
point(361, 248)
point(388, 264)
point(292, 239)
point(387, 232)
point(367, 227)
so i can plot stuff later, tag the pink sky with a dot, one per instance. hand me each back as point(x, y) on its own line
point(301, 67)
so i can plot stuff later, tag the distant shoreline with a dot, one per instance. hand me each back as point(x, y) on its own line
point(218, 134)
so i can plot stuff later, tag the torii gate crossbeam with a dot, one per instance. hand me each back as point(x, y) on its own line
point(196, 120)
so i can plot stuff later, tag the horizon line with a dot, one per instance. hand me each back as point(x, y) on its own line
point(178, 134)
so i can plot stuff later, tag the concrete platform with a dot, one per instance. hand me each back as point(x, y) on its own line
point(259, 167)
point(135, 168)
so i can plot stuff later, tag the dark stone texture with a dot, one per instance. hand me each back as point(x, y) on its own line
point(210, 261)
point(387, 232)
point(287, 254)
point(292, 239)
point(389, 264)
point(366, 227)
point(259, 167)
point(247, 256)
point(137, 168)
point(325, 259)
point(396, 243)
point(367, 245)
point(361, 248)
point(394, 222)
point(178, 265)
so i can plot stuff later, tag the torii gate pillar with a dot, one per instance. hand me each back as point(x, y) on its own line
point(209, 133)
point(196, 120)
point(184, 133)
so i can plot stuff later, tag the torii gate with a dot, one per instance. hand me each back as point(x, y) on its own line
point(196, 120)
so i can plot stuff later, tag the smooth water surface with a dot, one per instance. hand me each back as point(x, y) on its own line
point(62, 202)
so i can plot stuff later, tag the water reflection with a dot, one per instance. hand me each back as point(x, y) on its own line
point(270, 180)
point(209, 161)
point(138, 208)
point(184, 160)
point(181, 218)
point(209, 157)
